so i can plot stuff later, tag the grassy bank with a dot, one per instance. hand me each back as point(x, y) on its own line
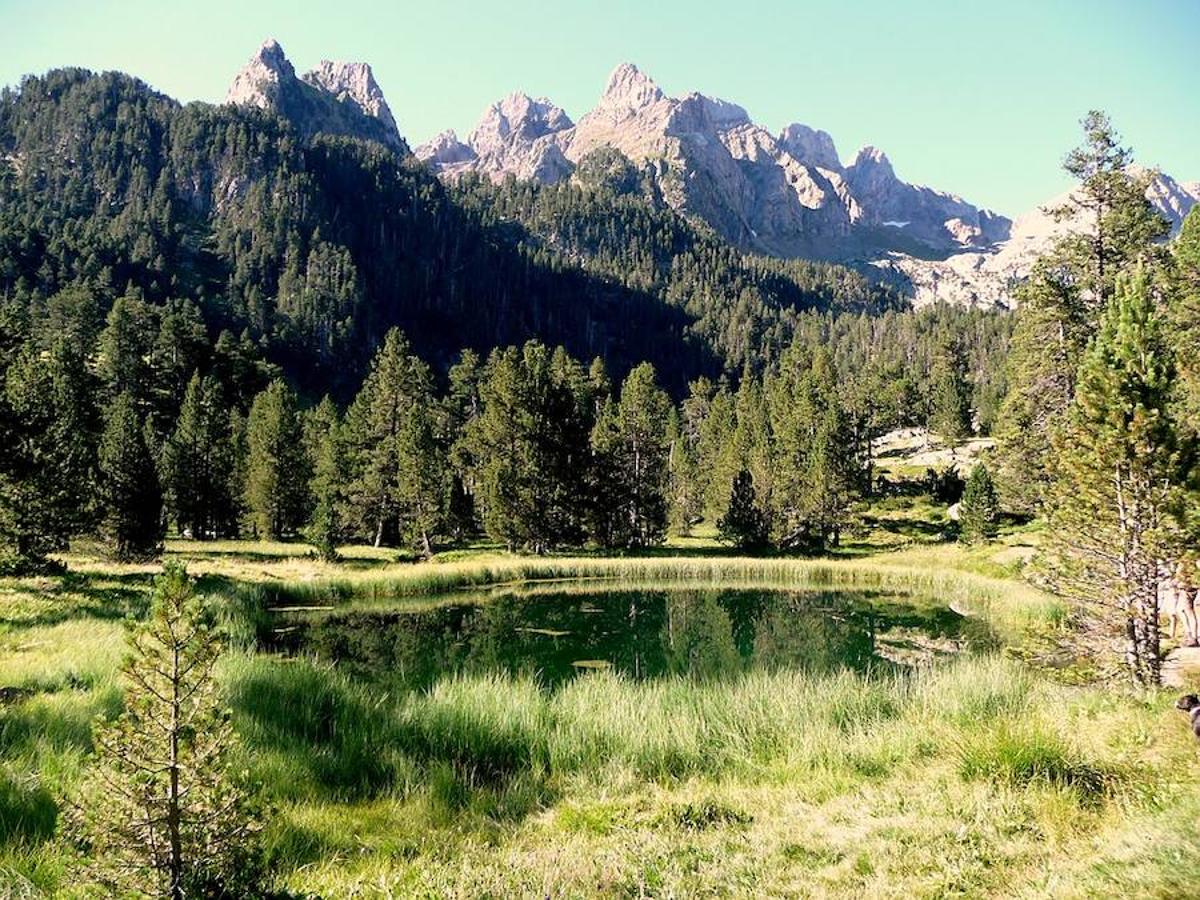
point(979, 777)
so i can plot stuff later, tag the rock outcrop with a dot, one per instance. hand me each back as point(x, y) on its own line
point(334, 98)
point(786, 195)
point(988, 278)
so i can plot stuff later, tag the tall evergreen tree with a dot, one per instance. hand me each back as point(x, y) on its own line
point(743, 525)
point(950, 412)
point(197, 464)
point(531, 450)
point(1117, 468)
point(48, 464)
point(324, 447)
point(979, 511)
point(397, 470)
point(277, 468)
point(1062, 302)
point(131, 496)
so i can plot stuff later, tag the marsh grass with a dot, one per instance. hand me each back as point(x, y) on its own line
point(1009, 606)
point(975, 777)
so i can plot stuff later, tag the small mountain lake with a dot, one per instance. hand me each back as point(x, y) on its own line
point(553, 633)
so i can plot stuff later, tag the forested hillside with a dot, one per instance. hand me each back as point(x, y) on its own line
point(314, 249)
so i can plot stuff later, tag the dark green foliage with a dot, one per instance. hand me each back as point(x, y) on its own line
point(1062, 303)
point(131, 497)
point(979, 511)
point(743, 525)
point(48, 432)
point(199, 462)
point(324, 445)
point(950, 412)
point(397, 483)
point(530, 448)
point(817, 463)
point(1118, 467)
point(277, 468)
point(630, 445)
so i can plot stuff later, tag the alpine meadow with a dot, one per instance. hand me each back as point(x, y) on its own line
point(642, 503)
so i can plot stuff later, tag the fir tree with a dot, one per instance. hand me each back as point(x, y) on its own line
point(276, 466)
point(324, 446)
point(48, 464)
point(950, 412)
point(1063, 300)
point(393, 459)
point(131, 496)
point(197, 463)
point(1117, 470)
point(161, 811)
point(979, 510)
point(743, 525)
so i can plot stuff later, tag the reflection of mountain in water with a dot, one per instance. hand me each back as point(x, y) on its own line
point(698, 633)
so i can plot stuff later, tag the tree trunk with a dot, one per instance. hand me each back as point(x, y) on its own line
point(175, 863)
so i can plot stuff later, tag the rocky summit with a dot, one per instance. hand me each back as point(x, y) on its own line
point(787, 194)
point(334, 98)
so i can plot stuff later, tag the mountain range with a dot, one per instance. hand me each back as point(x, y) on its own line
point(786, 195)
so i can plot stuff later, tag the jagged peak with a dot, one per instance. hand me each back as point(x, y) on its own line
point(354, 82)
point(259, 79)
point(810, 146)
point(518, 112)
point(270, 53)
point(871, 154)
point(724, 113)
point(628, 86)
point(444, 148)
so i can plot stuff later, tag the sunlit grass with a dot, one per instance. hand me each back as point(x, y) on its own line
point(976, 777)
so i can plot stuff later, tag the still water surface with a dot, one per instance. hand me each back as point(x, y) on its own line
point(555, 634)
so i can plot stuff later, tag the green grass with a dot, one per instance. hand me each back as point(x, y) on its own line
point(978, 777)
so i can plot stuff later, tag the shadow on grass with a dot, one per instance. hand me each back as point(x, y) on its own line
point(76, 595)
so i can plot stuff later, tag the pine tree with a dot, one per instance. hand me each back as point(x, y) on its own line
point(277, 469)
point(131, 495)
point(815, 457)
point(423, 478)
point(324, 446)
point(950, 411)
point(743, 525)
point(641, 421)
point(161, 811)
point(396, 484)
point(1063, 300)
point(530, 446)
point(1117, 469)
point(47, 467)
point(979, 511)
point(197, 463)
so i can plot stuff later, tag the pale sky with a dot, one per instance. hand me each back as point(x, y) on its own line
point(979, 99)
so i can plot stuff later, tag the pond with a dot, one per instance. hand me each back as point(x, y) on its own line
point(555, 633)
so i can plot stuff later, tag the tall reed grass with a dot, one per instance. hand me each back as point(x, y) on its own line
point(1010, 606)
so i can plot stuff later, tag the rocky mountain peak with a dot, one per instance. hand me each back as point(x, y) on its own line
point(810, 146)
point(445, 150)
point(354, 83)
point(724, 114)
point(258, 83)
point(518, 114)
point(335, 98)
point(872, 158)
point(628, 87)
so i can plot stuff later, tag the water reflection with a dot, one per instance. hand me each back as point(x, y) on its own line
point(707, 633)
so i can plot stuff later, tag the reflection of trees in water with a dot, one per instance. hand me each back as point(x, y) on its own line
point(698, 636)
point(793, 634)
point(698, 633)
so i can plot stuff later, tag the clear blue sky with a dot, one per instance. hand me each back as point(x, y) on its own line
point(977, 98)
